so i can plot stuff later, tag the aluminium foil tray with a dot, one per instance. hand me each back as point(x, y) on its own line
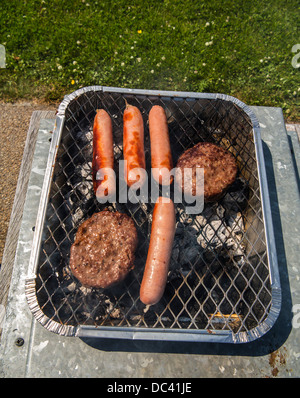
point(223, 284)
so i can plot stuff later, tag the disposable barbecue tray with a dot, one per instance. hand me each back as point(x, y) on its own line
point(223, 283)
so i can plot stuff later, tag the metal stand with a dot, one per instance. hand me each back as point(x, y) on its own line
point(29, 350)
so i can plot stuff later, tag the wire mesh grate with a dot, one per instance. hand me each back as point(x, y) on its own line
point(219, 274)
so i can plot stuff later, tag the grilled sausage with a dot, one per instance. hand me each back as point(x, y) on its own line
point(133, 146)
point(161, 156)
point(104, 182)
point(159, 252)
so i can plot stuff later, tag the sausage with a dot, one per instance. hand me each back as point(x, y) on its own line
point(104, 182)
point(133, 146)
point(161, 156)
point(159, 252)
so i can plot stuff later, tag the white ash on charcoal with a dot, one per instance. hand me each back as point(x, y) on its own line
point(89, 299)
point(111, 310)
point(220, 235)
point(70, 287)
point(118, 151)
point(84, 137)
point(81, 197)
point(218, 229)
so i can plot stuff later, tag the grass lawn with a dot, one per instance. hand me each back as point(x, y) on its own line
point(242, 48)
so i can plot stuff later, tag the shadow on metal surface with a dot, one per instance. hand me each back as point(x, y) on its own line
point(294, 161)
point(264, 345)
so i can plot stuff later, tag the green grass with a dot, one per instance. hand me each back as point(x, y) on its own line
point(242, 48)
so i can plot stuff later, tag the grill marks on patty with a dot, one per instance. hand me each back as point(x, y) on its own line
point(103, 251)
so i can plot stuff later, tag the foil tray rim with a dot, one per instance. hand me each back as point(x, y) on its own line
point(222, 336)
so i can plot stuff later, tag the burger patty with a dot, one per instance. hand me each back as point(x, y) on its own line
point(220, 170)
point(103, 251)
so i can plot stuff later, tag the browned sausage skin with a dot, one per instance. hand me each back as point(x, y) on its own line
point(159, 252)
point(104, 182)
point(133, 146)
point(161, 156)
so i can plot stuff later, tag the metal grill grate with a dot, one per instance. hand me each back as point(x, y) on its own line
point(219, 275)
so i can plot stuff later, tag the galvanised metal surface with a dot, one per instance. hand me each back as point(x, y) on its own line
point(223, 283)
point(276, 354)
